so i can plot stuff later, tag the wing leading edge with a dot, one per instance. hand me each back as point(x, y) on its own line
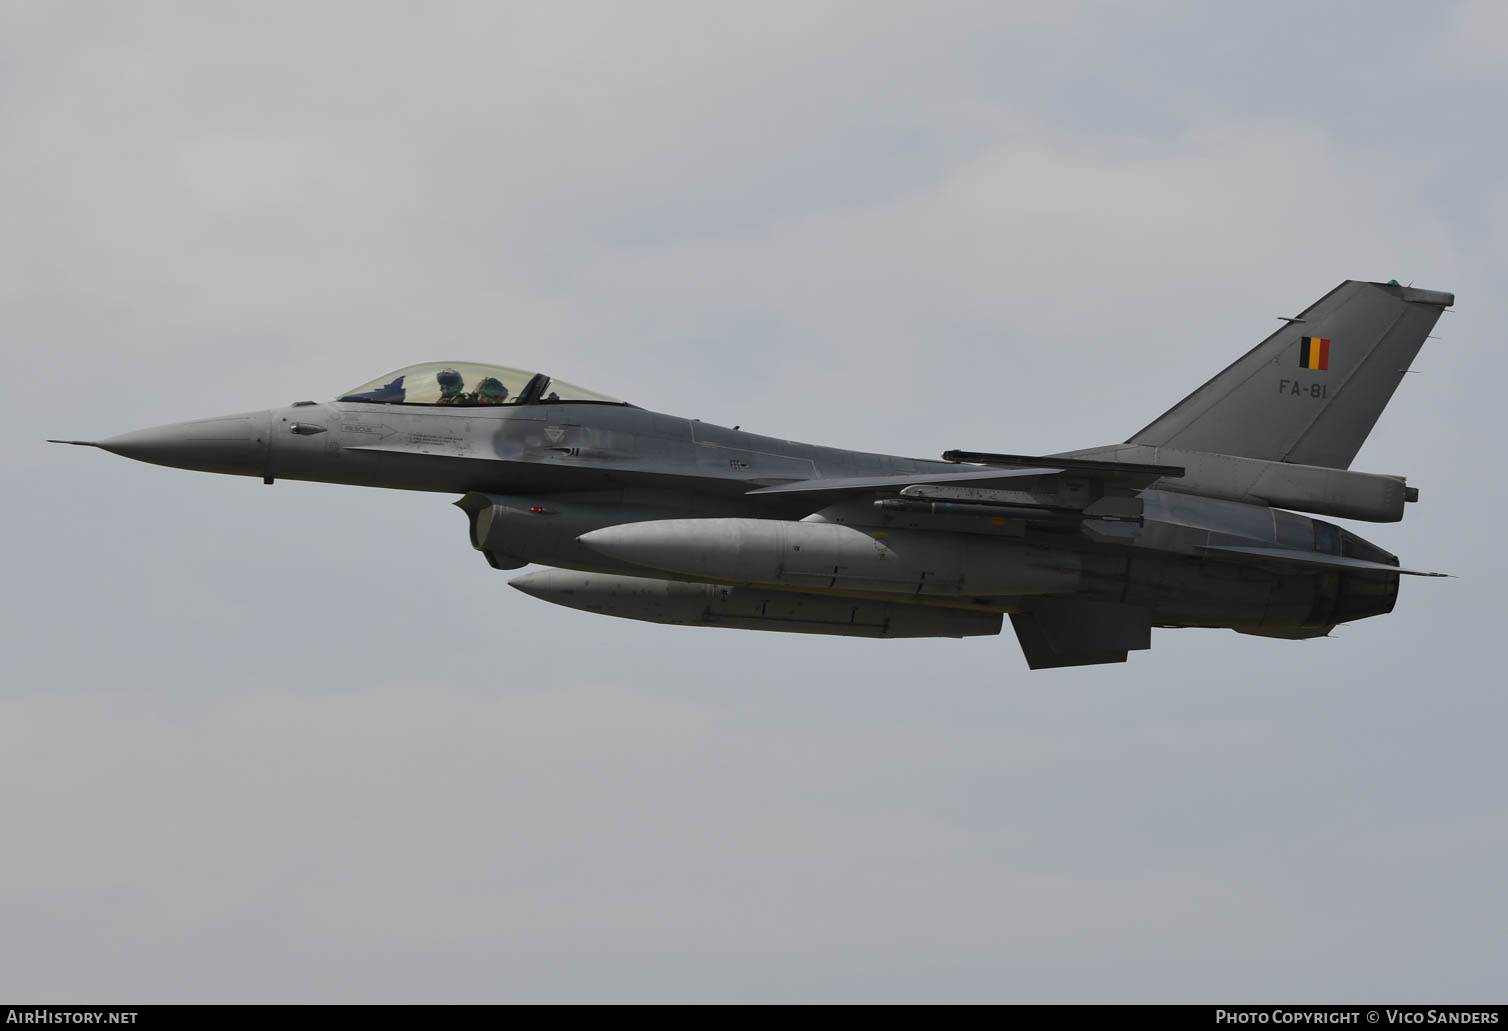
point(870, 484)
point(989, 470)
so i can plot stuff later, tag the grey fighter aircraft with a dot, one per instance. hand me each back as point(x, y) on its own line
point(1191, 523)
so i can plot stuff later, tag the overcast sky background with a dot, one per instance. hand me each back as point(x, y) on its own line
point(300, 744)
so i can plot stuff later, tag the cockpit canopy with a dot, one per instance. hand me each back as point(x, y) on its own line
point(468, 384)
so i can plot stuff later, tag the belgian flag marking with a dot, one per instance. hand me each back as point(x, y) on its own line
point(1314, 353)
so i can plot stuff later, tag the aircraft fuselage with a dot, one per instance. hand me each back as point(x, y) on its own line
point(536, 479)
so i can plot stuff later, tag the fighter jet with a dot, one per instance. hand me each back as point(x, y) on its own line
point(1192, 522)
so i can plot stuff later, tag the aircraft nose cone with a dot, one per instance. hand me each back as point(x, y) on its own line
point(235, 444)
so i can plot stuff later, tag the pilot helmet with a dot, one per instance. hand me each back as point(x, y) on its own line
point(492, 389)
point(450, 381)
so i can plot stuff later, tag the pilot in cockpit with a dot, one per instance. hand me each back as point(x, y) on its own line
point(451, 388)
point(490, 391)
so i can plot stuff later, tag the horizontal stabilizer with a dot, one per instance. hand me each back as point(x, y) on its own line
point(1316, 561)
point(863, 484)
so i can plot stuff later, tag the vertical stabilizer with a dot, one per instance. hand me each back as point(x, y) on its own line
point(1312, 391)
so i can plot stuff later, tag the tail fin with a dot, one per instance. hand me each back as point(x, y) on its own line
point(1312, 391)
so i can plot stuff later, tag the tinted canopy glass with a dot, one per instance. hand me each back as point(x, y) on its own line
point(467, 384)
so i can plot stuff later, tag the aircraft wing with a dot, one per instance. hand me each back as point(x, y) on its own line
point(1013, 487)
point(988, 470)
point(1129, 476)
point(868, 484)
point(1313, 560)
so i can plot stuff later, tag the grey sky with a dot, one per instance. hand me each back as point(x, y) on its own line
point(302, 744)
